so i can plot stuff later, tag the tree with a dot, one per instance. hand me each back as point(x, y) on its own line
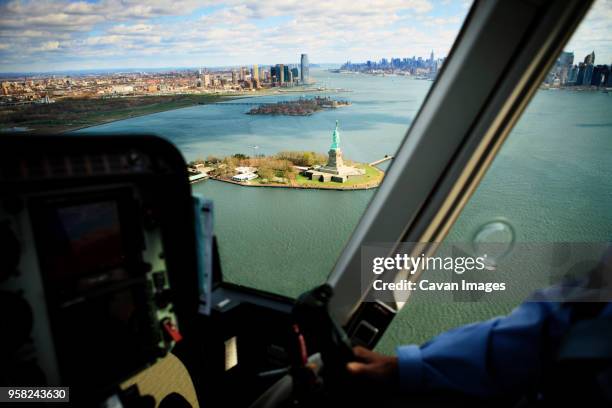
point(291, 174)
point(265, 172)
point(302, 158)
point(212, 159)
point(309, 159)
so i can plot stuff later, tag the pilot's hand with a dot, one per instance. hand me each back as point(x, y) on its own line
point(373, 366)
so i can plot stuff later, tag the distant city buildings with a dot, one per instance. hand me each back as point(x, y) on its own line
point(584, 74)
point(415, 66)
point(48, 88)
point(43, 89)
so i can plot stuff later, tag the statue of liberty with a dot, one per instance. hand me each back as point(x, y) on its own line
point(335, 139)
point(334, 162)
point(334, 169)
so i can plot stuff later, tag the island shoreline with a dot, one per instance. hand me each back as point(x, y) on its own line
point(139, 115)
point(303, 187)
point(50, 129)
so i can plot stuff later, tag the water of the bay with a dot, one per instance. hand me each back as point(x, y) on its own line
point(552, 181)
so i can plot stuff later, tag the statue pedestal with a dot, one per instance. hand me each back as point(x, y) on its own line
point(334, 163)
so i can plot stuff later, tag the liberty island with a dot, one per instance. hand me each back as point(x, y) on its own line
point(296, 169)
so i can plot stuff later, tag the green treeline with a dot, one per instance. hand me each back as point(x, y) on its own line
point(280, 165)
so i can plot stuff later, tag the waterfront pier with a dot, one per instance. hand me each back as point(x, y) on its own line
point(384, 159)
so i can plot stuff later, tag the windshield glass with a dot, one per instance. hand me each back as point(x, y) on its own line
point(549, 187)
point(288, 113)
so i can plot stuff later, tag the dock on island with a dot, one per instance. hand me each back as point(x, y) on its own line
point(384, 159)
point(194, 178)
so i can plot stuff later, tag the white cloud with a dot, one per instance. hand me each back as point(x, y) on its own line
point(103, 40)
point(46, 46)
point(136, 29)
point(62, 33)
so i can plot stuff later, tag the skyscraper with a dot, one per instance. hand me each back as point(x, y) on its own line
point(588, 75)
point(255, 73)
point(280, 70)
point(304, 69)
point(600, 75)
point(580, 76)
point(562, 67)
point(566, 59)
point(572, 75)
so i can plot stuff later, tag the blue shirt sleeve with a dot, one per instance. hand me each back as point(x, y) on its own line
point(493, 358)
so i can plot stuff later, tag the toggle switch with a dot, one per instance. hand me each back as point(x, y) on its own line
point(171, 331)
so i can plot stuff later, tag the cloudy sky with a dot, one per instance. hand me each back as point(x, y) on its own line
point(42, 35)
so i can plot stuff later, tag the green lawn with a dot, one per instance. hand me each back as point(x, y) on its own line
point(73, 113)
point(259, 181)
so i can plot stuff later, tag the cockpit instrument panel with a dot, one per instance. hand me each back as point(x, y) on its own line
point(93, 288)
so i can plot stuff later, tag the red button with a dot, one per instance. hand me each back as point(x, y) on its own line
point(172, 330)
